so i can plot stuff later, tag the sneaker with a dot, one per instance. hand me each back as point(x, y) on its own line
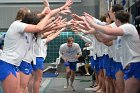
point(66, 86)
point(87, 74)
point(71, 87)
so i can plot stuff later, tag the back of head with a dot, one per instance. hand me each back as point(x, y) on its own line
point(117, 7)
point(103, 18)
point(122, 16)
point(31, 18)
point(21, 13)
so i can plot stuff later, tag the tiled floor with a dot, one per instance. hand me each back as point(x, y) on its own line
point(56, 85)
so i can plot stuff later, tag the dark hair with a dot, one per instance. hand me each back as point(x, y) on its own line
point(31, 18)
point(122, 16)
point(69, 39)
point(103, 18)
point(21, 13)
point(117, 7)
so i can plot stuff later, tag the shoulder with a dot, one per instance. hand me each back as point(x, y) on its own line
point(18, 25)
point(76, 44)
point(128, 28)
point(63, 45)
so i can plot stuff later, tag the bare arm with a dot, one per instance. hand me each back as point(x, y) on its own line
point(53, 36)
point(84, 38)
point(105, 29)
point(40, 26)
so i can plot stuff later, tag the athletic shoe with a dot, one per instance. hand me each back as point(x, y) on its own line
point(71, 87)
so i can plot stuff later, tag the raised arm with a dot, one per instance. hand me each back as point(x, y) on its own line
point(53, 36)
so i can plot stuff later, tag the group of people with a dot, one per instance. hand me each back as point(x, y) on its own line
point(114, 49)
point(25, 46)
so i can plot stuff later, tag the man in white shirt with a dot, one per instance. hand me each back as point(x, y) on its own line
point(70, 52)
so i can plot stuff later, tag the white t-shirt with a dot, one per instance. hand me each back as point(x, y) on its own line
point(130, 45)
point(40, 48)
point(70, 52)
point(111, 49)
point(29, 54)
point(15, 43)
point(92, 46)
point(98, 48)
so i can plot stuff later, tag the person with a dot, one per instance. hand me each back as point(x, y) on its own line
point(129, 52)
point(86, 54)
point(40, 53)
point(25, 68)
point(70, 53)
point(12, 55)
point(107, 40)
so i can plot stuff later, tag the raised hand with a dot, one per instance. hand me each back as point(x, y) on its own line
point(46, 3)
point(77, 17)
point(66, 11)
point(67, 5)
point(86, 14)
point(47, 10)
point(89, 20)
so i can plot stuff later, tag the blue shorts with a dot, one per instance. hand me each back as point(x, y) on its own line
point(92, 62)
point(6, 69)
point(72, 65)
point(106, 61)
point(39, 63)
point(132, 70)
point(97, 65)
point(113, 68)
point(100, 62)
point(109, 68)
point(26, 68)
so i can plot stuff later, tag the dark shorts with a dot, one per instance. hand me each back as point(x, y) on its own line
point(6, 69)
point(110, 68)
point(132, 70)
point(72, 65)
point(101, 62)
point(26, 68)
point(39, 63)
point(92, 62)
point(97, 65)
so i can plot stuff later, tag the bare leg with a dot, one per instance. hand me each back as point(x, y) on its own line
point(30, 84)
point(72, 80)
point(111, 85)
point(10, 84)
point(67, 76)
point(37, 81)
point(132, 85)
point(107, 85)
point(86, 68)
point(119, 82)
point(103, 81)
point(24, 79)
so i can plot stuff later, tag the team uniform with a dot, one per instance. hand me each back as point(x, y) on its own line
point(14, 50)
point(25, 65)
point(130, 52)
point(40, 53)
